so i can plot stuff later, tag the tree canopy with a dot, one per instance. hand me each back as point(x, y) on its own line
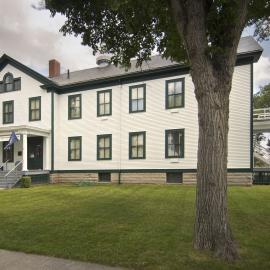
point(128, 28)
point(262, 98)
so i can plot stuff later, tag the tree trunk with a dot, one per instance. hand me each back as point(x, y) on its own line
point(212, 230)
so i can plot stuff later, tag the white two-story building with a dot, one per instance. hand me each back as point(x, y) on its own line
point(109, 124)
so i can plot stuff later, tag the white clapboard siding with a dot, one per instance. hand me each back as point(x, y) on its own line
point(154, 121)
point(29, 88)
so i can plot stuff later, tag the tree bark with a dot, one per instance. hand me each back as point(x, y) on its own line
point(212, 78)
point(212, 229)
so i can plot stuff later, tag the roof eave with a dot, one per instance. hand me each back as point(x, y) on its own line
point(5, 59)
point(247, 57)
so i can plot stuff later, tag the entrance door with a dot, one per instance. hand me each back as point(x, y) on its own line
point(35, 153)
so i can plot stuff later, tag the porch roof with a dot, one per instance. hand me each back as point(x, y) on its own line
point(24, 129)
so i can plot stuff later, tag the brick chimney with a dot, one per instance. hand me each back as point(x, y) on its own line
point(54, 68)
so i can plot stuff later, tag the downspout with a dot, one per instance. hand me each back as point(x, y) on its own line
point(52, 131)
point(120, 128)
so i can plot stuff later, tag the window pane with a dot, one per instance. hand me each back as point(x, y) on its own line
point(6, 108)
point(140, 139)
point(177, 150)
point(101, 142)
point(134, 152)
point(101, 153)
point(107, 109)
point(32, 104)
point(107, 142)
point(140, 92)
point(9, 87)
point(170, 88)
point(140, 151)
point(17, 84)
point(170, 101)
point(101, 109)
point(170, 150)
point(101, 98)
point(140, 105)
point(37, 104)
point(35, 114)
point(170, 138)
point(72, 154)
point(107, 97)
point(107, 153)
point(178, 100)
point(178, 87)
point(134, 93)
point(77, 156)
point(134, 106)
point(72, 144)
point(134, 140)
point(8, 79)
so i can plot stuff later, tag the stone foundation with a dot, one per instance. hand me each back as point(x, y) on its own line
point(238, 179)
point(73, 177)
point(244, 179)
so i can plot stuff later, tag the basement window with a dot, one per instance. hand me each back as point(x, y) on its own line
point(104, 177)
point(174, 177)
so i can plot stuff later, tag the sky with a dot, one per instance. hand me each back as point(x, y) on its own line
point(32, 37)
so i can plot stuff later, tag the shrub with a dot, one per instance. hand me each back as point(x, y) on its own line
point(25, 181)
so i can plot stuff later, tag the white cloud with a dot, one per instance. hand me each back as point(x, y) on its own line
point(32, 37)
point(262, 72)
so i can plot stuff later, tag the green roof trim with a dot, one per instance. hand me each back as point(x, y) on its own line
point(5, 59)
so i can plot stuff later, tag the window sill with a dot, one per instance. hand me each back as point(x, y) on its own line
point(104, 118)
point(174, 160)
point(174, 110)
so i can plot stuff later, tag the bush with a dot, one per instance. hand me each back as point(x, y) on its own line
point(25, 181)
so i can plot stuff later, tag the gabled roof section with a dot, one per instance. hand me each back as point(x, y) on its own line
point(5, 59)
point(248, 49)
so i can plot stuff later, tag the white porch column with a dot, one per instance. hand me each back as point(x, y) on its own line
point(24, 152)
point(46, 155)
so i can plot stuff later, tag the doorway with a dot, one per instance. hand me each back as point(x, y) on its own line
point(35, 153)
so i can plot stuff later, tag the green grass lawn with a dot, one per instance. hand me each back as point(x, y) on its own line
point(136, 226)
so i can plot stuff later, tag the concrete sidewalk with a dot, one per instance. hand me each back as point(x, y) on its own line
point(10, 260)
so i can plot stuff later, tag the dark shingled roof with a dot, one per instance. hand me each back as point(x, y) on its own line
point(246, 45)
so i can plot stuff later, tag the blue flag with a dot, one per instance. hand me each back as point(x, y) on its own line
point(13, 138)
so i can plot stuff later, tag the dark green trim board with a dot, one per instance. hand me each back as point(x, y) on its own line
point(99, 137)
point(233, 170)
point(5, 59)
point(182, 146)
point(144, 144)
point(98, 100)
point(52, 131)
point(167, 93)
point(30, 113)
point(251, 117)
point(6, 103)
point(70, 117)
point(144, 98)
point(69, 150)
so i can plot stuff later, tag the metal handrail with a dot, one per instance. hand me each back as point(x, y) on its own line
point(5, 164)
point(13, 169)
